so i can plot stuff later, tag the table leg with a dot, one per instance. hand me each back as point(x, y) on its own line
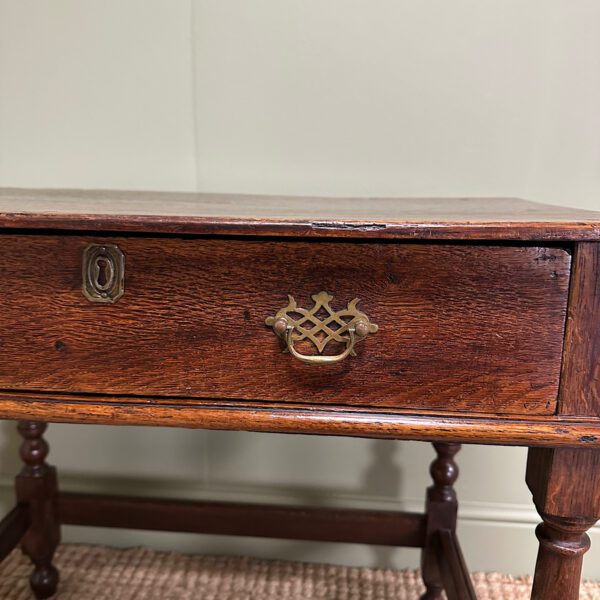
point(565, 484)
point(36, 486)
point(441, 508)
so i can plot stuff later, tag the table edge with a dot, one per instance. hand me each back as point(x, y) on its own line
point(516, 430)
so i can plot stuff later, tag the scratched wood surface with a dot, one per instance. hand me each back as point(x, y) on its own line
point(410, 218)
point(475, 328)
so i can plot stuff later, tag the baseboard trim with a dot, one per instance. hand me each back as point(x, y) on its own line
point(510, 526)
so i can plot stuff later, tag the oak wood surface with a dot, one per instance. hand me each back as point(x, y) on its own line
point(285, 522)
point(562, 545)
point(456, 577)
point(37, 487)
point(580, 380)
point(461, 327)
point(12, 528)
point(565, 484)
point(441, 508)
point(469, 350)
point(551, 475)
point(293, 418)
point(409, 218)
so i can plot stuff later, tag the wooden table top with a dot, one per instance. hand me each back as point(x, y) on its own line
point(235, 214)
point(575, 423)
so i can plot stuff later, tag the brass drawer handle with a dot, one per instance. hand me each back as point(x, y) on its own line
point(348, 326)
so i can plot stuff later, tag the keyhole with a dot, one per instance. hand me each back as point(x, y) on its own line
point(104, 273)
point(103, 269)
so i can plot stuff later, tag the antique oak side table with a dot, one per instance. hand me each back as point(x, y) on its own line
point(452, 321)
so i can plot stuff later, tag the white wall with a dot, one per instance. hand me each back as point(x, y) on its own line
point(393, 97)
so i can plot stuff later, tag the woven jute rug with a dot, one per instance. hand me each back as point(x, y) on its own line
point(99, 573)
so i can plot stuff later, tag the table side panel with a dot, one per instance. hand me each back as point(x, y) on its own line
point(580, 380)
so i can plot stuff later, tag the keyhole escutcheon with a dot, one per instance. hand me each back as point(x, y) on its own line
point(103, 272)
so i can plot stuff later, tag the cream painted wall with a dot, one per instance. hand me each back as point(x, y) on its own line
point(394, 97)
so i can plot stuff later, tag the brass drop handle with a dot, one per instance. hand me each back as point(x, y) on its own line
point(318, 359)
point(351, 327)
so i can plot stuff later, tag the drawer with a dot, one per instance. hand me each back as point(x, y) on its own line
point(460, 327)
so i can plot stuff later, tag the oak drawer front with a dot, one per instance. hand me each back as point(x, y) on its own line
point(461, 327)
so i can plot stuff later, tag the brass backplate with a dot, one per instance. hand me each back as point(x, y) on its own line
point(347, 326)
point(103, 272)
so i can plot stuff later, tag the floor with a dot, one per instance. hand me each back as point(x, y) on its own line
point(100, 573)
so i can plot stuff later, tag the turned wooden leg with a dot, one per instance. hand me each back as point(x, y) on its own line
point(565, 484)
point(36, 486)
point(441, 507)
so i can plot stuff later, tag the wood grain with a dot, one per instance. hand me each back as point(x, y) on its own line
point(563, 542)
point(441, 507)
point(552, 474)
point(565, 484)
point(458, 324)
point(12, 528)
point(36, 487)
point(236, 214)
point(224, 518)
point(469, 350)
point(456, 577)
point(580, 380)
point(280, 418)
